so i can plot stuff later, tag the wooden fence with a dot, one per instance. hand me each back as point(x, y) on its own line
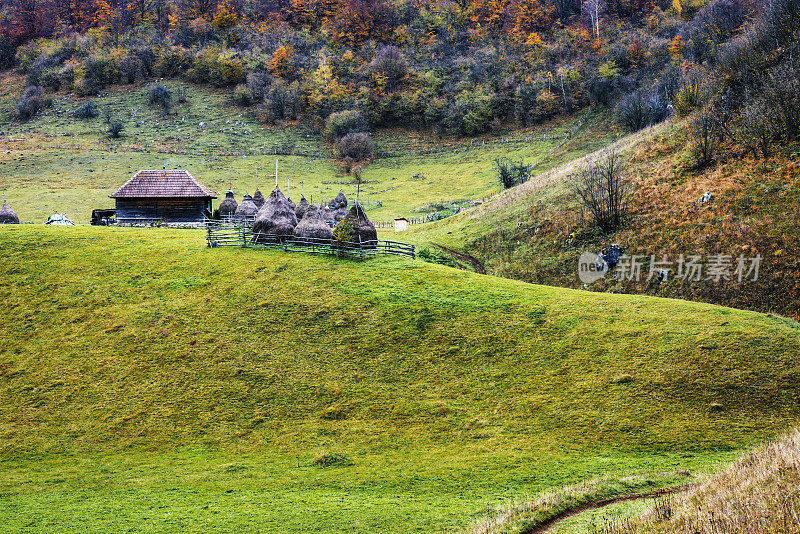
point(241, 235)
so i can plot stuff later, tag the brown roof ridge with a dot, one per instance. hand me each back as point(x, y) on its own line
point(163, 183)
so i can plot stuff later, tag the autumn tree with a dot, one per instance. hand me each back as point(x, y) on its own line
point(488, 14)
point(357, 21)
point(390, 65)
point(533, 16)
point(225, 16)
point(593, 10)
point(281, 63)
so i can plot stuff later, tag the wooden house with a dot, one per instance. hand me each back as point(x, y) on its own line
point(172, 197)
point(401, 224)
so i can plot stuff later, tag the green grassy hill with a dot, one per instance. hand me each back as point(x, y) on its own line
point(153, 384)
point(537, 231)
point(47, 178)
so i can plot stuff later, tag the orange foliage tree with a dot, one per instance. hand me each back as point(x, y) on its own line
point(533, 16)
point(281, 62)
point(357, 21)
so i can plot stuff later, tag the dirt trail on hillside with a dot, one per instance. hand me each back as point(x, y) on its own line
point(551, 523)
point(476, 263)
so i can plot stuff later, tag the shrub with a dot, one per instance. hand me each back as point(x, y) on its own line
point(782, 93)
point(340, 124)
point(50, 80)
point(87, 110)
point(604, 191)
point(160, 95)
point(31, 103)
point(115, 129)
point(689, 98)
point(241, 95)
point(390, 64)
point(358, 146)
point(633, 112)
point(332, 459)
point(512, 173)
point(258, 84)
point(704, 130)
point(282, 101)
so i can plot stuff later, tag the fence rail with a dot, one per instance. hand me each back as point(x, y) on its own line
point(232, 235)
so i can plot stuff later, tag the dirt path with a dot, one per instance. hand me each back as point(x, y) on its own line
point(551, 523)
point(479, 268)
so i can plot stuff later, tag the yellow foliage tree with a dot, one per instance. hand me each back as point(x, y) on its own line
point(676, 48)
point(225, 17)
point(281, 62)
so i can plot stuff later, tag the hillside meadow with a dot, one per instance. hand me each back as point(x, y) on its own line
point(154, 385)
point(46, 177)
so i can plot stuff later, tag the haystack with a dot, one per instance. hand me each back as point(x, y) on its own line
point(246, 210)
point(301, 208)
point(357, 228)
point(338, 202)
point(291, 204)
point(327, 216)
point(227, 208)
point(313, 225)
point(275, 217)
point(7, 215)
point(258, 198)
point(339, 214)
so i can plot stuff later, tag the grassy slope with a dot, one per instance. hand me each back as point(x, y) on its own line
point(42, 182)
point(152, 382)
point(758, 493)
point(535, 232)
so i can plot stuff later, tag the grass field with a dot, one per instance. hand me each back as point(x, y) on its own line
point(40, 182)
point(153, 385)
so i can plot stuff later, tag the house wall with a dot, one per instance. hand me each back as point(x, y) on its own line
point(171, 210)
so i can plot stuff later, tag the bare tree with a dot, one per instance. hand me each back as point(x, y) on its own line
point(604, 190)
point(593, 10)
point(705, 133)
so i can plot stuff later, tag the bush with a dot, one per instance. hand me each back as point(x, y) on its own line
point(358, 146)
point(115, 129)
point(332, 459)
point(705, 132)
point(689, 98)
point(87, 110)
point(160, 95)
point(50, 80)
point(512, 173)
point(282, 101)
point(633, 112)
point(31, 103)
point(241, 95)
point(258, 84)
point(390, 64)
point(340, 124)
point(604, 191)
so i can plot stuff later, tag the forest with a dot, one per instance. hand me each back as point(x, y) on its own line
point(455, 68)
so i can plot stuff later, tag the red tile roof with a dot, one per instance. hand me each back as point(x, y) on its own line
point(163, 184)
